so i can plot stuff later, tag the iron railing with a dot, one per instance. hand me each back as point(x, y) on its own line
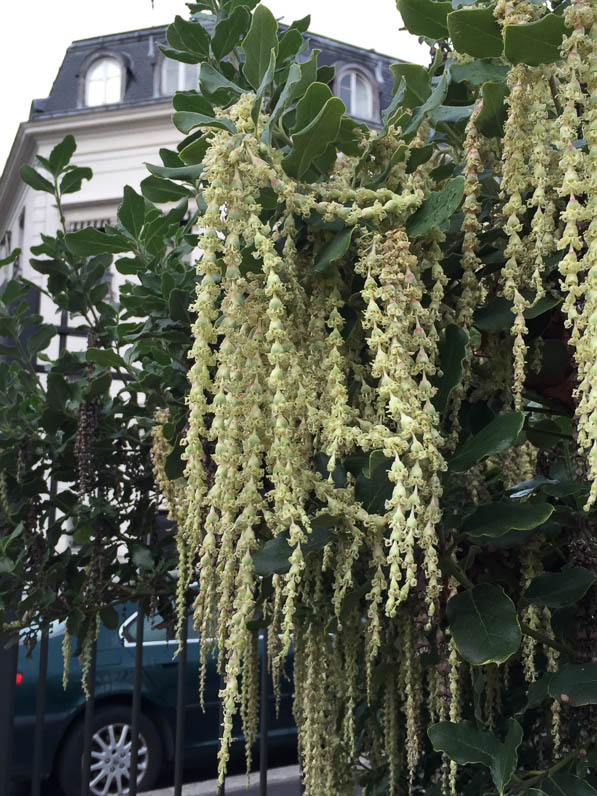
point(9, 649)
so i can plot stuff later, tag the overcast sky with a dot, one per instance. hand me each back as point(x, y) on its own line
point(36, 34)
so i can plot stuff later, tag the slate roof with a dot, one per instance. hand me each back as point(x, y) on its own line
point(139, 51)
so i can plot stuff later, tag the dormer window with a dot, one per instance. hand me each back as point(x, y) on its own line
point(177, 76)
point(356, 92)
point(103, 82)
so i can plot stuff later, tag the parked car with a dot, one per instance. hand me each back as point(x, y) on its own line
point(63, 735)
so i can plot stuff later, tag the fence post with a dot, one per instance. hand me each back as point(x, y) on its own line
point(8, 683)
point(40, 714)
point(136, 709)
point(180, 709)
point(222, 791)
point(263, 720)
point(88, 726)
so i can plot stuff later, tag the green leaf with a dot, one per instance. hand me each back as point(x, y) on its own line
point(40, 339)
point(188, 101)
point(290, 44)
point(191, 36)
point(316, 95)
point(34, 179)
point(141, 556)
point(178, 303)
point(186, 173)
point(506, 758)
point(100, 385)
point(211, 81)
point(463, 742)
point(561, 784)
point(231, 5)
point(575, 684)
point(89, 241)
point(435, 99)
point(57, 392)
point(484, 624)
point(475, 31)
point(556, 589)
point(437, 208)
point(334, 250)
point(186, 121)
point(193, 153)
point(497, 436)
point(258, 44)
point(180, 55)
point(496, 519)
point(374, 488)
point(73, 179)
point(478, 72)
point(131, 212)
point(264, 88)
point(425, 17)
point(417, 82)
point(535, 43)
point(273, 557)
point(110, 617)
point(494, 317)
point(417, 156)
point(159, 190)
point(105, 357)
point(490, 120)
point(313, 140)
point(229, 31)
point(451, 114)
point(62, 153)
point(11, 257)
point(452, 353)
point(174, 465)
point(287, 95)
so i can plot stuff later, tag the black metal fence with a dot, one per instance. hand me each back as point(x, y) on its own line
point(9, 650)
point(8, 684)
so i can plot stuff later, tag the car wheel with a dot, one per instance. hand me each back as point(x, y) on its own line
point(111, 754)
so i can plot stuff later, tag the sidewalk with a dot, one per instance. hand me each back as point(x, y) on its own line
point(280, 782)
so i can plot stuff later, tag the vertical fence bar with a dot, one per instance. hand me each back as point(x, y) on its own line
point(8, 683)
point(88, 726)
point(40, 714)
point(136, 709)
point(263, 720)
point(222, 791)
point(180, 710)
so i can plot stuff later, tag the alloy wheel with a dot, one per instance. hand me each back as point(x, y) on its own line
point(111, 760)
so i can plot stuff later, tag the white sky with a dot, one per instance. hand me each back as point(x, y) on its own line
point(36, 34)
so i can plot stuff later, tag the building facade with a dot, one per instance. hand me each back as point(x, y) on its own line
point(113, 93)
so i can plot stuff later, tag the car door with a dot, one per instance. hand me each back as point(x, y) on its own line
point(160, 670)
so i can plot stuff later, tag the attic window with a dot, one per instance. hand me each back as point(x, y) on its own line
point(356, 92)
point(177, 76)
point(103, 82)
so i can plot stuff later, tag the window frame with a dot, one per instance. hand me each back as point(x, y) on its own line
point(160, 81)
point(87, 66)
point(357, 70)
point(126, 643)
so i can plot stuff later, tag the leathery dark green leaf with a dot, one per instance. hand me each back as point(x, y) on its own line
point(484, 624)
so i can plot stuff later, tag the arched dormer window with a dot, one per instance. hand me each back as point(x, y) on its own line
point(355, 89)
point(104, 82)
point(176, 76)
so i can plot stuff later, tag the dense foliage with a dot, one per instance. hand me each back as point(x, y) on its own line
point(368, 369)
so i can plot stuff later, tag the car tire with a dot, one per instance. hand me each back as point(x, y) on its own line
point(112, 728)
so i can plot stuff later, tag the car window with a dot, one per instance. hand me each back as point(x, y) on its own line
point(155, 630)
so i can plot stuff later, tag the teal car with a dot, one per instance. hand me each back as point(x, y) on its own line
point(63, 727)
